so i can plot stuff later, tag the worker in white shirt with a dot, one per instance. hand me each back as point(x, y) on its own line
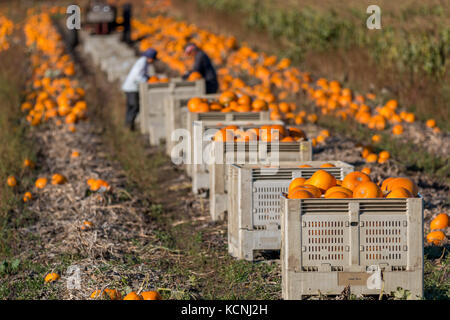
point(137, 74)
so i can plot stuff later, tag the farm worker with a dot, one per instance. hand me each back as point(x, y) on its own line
point(126, 14)
point(137, 74)
point(203, 66)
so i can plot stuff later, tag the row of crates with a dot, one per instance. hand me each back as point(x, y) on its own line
point(254, 207)
point(112, 56)
point(325, 244)
point(152, 104)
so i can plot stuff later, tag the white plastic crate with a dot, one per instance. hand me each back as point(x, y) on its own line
point(152, 104)
point(254, 203)
point(199, 172)
point(216, 117)
point(175, 110)
point(144, 89)
point(328, 244)
point(93, 45)
point(119, 70)
point(218, 173)
point(107, 59)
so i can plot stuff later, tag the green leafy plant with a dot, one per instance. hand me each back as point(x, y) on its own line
point(402, 294)
point(305, 28)
point(9, 267)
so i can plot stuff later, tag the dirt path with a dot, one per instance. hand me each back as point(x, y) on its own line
point(118, 218)
point(149, 233)
point(195, 258)
point(122, 249)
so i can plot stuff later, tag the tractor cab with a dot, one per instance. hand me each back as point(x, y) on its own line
point(100, 17)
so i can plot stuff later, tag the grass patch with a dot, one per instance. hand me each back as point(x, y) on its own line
point(21, 277)
point(24, 279)
point(437, 274)
point(413, 157)
point(305, 28)
point(15, 147)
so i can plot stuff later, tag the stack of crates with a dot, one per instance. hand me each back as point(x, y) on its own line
point(112, 56)
point(175, 111)
point(200, 172)
point(241, 153)
point(254, 203)
point(368, 244)
point(152, 96)
point(216, 117)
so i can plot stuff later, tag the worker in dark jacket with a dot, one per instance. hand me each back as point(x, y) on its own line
point(203, 66)
point(126, 14)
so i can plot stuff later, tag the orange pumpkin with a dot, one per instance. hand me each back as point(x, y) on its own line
point(299, 193)
point(133, 296)
point(41, 183)
point(367, 189)
point(11, 181)
point(435, 237)
point(151, 295)
point(353, 179)
point(322, 180)
point(440, 222)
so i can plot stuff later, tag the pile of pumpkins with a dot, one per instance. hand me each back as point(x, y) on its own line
point(359, 185)
point(354, 185)
point(112, 294)
point(438, 226)
point(264, 133)
point(6, 29)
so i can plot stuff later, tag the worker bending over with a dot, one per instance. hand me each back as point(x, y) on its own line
point(203, 66)
point(138, 73)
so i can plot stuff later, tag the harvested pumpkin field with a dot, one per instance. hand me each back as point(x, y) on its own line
point(329, 176)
